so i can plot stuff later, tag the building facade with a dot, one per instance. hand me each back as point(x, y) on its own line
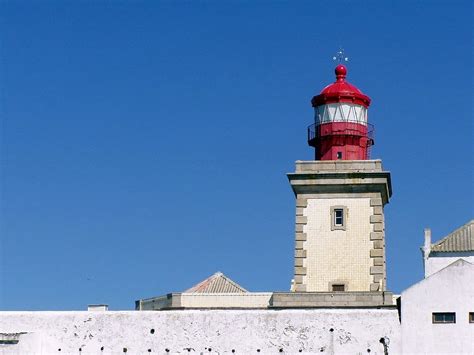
point(437, 313)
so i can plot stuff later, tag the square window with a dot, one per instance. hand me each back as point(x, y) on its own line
point(444, 317)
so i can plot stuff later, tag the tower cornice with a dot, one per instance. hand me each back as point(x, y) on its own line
point(341, 176)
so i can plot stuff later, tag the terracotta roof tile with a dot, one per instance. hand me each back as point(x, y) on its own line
point(217, 283)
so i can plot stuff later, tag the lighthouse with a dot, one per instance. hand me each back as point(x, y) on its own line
point(341, 130)
point(340, 197)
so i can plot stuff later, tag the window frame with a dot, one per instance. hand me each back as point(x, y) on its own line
point(337, 226)
point(434, 314)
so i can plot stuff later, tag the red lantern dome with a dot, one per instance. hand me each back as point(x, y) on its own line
point(341, 91)
point(341, 130)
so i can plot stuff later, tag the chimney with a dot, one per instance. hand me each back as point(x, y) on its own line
point(427, 246)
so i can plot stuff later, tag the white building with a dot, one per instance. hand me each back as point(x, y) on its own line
point(456, 245)
point(437, 313)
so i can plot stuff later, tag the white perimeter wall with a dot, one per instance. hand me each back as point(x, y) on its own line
point(354, 331)
point(449, 290)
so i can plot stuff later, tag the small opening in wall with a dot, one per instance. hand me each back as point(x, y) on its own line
point(167, 350)
point(471, 317)
point(101, 348)
point(152, 331)
point(339, 155)
point(382, 340)
point(444, 317)
point(124, 350)
point(300, 351)
point(9, 342)
point(368, 350)
point(258, 350)
point(338, 217)
point(59, 349)
point(233, 350)
point(149, 350)
point(331, 330)
point(80, 349)
point(209, 349)
point(281, 350)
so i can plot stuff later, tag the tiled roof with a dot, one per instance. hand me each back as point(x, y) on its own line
point(462, 239)
point(217, 283)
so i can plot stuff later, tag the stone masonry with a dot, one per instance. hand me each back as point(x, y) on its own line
point(353, 256)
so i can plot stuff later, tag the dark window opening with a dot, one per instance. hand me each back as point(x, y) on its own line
point(471, 317)
point(339, 155)
point(339, 217)
point(445, 317)
point(338, 288)
point(8, 341)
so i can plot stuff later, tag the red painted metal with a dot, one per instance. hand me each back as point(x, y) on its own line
point(351, 140)
point(341, 140)
point(341, 91)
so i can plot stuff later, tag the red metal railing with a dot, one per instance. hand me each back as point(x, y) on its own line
point(316, 131)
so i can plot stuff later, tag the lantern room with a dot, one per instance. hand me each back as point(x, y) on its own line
point(340, 130)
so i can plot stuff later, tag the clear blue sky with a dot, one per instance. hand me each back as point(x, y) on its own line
point(145, 144)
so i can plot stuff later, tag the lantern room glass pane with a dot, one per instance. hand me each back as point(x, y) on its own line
point(323, 113)
point(364, 115)
point(358, 113)
point(340, 112)
point(339, 115)
point(331, 109)
point(346, 112)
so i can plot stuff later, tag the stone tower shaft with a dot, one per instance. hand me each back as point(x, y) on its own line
point(340, 231)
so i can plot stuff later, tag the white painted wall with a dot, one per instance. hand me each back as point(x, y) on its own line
point(226, 300)
point(449, 290)
point(354, 331)
point(439, 261)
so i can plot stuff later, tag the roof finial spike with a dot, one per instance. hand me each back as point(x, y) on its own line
point(340, 57)
point(340, 70)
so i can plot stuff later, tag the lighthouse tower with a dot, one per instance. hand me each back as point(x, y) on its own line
point(340, 197)
point(341, 130)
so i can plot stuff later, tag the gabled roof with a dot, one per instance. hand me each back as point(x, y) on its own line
point(449, 282)
point(462, 239)
point(217, 283)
